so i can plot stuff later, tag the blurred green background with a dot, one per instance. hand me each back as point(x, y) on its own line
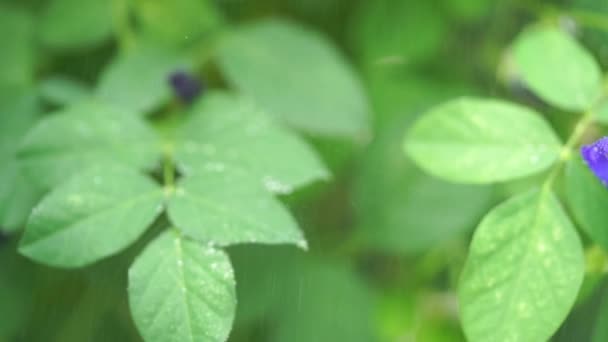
point(387, 241)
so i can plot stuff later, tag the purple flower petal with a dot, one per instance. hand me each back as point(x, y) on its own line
point(596, 157)
point(185, 86)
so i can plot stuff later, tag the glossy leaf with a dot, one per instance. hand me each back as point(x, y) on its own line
point(557, 68)
point(182, 291)
point(224, 207)
point(523, 272)
point(482, 141)
point(588, 199)
point(69, 24)
point(226, 131)
point(17, 195)
point(84, 134)
point(96, 214)
point(138, 81)
point(296, 75)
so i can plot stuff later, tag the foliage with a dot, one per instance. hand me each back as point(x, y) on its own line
point(199, 170)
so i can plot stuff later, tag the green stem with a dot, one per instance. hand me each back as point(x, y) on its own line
point(168, 170)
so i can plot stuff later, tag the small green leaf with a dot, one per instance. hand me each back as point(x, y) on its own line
point(176, 22)
point(69, 24)
point(225, 207)
point(557, 68)
point(182, 291)
point(96, 214)
point(523, 273)
point(482, 141)
point(226, 131)
point(588, 199)
point(138, 81)
point(84, 134)
point(17, 195)
point(60, 90)
point(298, 76)
point(17, 53)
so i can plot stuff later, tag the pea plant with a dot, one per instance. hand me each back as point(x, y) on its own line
point(526, 263)
point(149, 158)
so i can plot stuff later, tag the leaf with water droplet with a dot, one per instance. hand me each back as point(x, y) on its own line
point(227, 208)
point(470, 140)
point(98, 213)
point(85, 134)
point(228, 131)
point(523, 272)
point(176, 296)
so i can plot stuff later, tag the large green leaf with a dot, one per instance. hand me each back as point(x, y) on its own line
point(96, 214)
point(297, 76)
point(84, 134)
point(588, 199)
point(62, 90)
point(176, 22)
point(417, 211)
point(227, 131)
point(182, 291)
point(17, 195)
point(557, 68)
point(224, 207)
point(16, 53)
point(523, 273)
point(138, 80)
point(76, 23)
point(482, 141)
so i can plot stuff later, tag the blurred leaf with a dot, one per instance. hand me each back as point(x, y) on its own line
point(398, 32)
point(227, 131)
point(588, 200)
point(600, 331)
point(97, 213)
point(17, 53)
point(226, 207)
point(138, 80)
point(523, 273)
point(297, 75)
point(417, 211)
point(469, 9)
point(71, 24)
point(17, 195)
point(557, 68)
point(180, 291)
point(471, 140)
point(61, 90)
point(85, 134)
point(177, 22)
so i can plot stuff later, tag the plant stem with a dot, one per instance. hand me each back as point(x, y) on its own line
point(168, 169)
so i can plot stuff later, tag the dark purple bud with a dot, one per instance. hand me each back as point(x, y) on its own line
point(596, 157)
point(185, 86)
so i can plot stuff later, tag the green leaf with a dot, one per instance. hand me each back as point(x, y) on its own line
point(70, 24)
point(482, 141)
point(557, 68)
point(417, 211)
point(226, 131)
point(17, 53)
point(17, 194)
point(523, 273)
point(97, 213)
point(224, 207)
point(588, 200)
point(176, 22)
point(298, 76)
point(138, 81)
point(61, 90)
point(180, 290)
point(84, 134)
point(398, 32)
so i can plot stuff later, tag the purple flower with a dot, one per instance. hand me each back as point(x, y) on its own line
point(185, 86)
point(596, 157)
